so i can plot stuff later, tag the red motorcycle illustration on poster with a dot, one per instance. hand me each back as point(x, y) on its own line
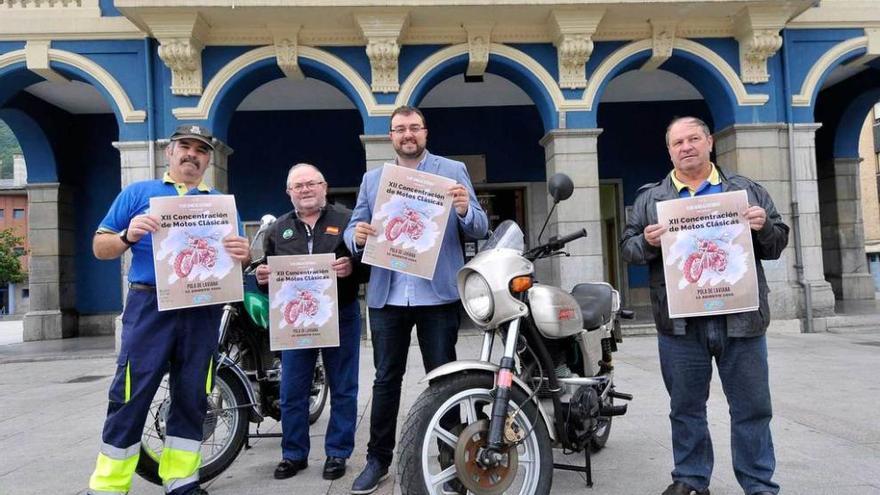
point(708, 256)
point(410, 223)
point(306, 304)
point(198, 252)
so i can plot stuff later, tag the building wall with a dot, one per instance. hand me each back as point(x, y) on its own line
point(869, 180)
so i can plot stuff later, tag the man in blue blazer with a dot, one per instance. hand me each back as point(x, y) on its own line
point(399, 301)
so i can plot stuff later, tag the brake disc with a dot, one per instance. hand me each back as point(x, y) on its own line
point(476, 478)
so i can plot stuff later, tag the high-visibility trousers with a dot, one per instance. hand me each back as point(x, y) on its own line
point(183, 343)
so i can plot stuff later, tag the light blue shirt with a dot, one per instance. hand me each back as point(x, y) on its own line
point(393, 288)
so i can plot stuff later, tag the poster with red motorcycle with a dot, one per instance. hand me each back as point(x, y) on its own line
point(410, 217)
point(192, 268)
point(708, 260)
point(302, 302)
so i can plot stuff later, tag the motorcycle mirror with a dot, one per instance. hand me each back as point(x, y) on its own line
point(266, 220)
point(560, 187)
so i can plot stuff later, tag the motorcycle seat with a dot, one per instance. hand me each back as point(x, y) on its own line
point(595, 300)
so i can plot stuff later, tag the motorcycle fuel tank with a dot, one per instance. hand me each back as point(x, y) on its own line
point(556, 313)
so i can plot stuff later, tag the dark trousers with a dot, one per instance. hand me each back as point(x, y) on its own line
point(437, 331)
point(686, 363)
point(181, 342)
point(341, 369)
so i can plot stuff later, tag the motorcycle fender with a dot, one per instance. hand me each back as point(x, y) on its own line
point(475, 365)
point(245, 382)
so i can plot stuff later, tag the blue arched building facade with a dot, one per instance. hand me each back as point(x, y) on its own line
point(784, 94)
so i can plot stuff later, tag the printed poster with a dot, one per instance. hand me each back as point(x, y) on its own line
point(192, 268)
point(410, 217)
point(709, 263)
point(303, 302)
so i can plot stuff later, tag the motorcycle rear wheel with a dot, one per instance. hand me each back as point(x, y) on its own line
point(421, 468)
point(318, 394)
point(224, 432)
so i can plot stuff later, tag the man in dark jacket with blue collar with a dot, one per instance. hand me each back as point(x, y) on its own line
point(736, 341)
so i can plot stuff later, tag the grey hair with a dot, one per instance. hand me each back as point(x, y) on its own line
point(693, 120)
point(303, 165)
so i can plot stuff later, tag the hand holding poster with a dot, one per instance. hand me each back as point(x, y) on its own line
point(303, 302)
point(708, 260)
point(192, 267)
point(410, 215)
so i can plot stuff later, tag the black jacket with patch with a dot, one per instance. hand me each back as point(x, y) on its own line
point(290, 235)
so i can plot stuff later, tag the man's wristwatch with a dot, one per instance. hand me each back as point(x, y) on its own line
point(124, 236)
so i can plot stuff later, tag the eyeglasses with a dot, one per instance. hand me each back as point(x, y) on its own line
point(299, 186)
point(401, 130)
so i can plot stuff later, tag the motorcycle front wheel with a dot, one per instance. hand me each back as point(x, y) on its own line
point(224, 431)
point(439, 457)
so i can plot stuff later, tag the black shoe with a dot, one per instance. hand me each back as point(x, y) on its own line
point(334, 468)
point(370, 477)
point(679, 488)
point(288, 468)
point(199, 491)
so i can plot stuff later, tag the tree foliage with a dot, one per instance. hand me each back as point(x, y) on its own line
point(10, 258)
point(8, 146)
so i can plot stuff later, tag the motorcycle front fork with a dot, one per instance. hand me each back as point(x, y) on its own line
point(492, 454)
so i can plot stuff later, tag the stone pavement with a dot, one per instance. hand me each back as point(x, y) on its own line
point(826, 427)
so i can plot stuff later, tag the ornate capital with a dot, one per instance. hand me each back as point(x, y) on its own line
point(180, 47)
point(573, 37)
point(479, 38)
point(184, 57)
point(663, 37)
point(757, 30)
point(287, 51)
point(383, 32)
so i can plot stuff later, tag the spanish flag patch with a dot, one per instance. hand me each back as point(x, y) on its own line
point(332, 230)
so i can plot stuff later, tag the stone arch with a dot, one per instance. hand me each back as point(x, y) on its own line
point(16, 77)
point(713, 77)
point(35, 145)
point(837, 55)
point(242, 75)
point(504, 61)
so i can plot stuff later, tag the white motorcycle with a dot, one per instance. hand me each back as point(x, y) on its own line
point(488, 428)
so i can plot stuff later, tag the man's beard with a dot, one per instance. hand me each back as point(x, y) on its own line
point(409, 156)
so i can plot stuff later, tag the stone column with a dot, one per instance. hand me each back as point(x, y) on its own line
point(52, 270)
point(378, 150)
point(574, 152)
point(843, 234)
point(760, 152)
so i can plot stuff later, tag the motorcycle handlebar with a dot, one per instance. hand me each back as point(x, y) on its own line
point(554, 244)
point(570, 237)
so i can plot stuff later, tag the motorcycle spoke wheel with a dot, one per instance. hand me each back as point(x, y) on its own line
point(459, 425)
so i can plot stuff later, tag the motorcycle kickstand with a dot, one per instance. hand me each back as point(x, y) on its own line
point(587, 469)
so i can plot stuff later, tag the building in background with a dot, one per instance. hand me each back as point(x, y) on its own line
point(519, 90)
point(869, 147)
point(14, 298)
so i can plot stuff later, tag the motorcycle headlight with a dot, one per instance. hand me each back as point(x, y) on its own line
point(477, 297)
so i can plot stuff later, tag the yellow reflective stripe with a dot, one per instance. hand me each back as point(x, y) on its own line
point(112, 475)
point(127, 381)
point(180, 460)
point(209, 383)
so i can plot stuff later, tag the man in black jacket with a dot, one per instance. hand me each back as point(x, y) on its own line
point(736, 341)
point(316, 227)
